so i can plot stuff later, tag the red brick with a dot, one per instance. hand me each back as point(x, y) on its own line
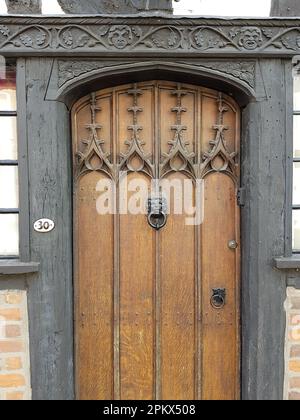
point(294, 396)
point(295, 351)
point(13, 298)
point(294, 330)
point(13, 363)
point(11, 346)
point(11, 381)
point(10, 314)
point(294, 365)
point(15, 396)
point(295, 383)
point(12, 331)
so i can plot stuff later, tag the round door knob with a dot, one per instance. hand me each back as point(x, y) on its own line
point(233, 244)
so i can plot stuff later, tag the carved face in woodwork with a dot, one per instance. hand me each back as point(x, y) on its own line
point(120, 36)
point(250, 38)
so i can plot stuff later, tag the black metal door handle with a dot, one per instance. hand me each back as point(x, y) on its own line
point(157, 212)
point(218, 299)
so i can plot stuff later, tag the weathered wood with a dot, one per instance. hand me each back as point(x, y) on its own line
point(287, 263)
point(285, 8)
point(148, 36)
point(24, 6)
point(169, 341)
point(263, 224)
point(115, 6)
point(24, 228)
point(17, 267)
point(50, 294)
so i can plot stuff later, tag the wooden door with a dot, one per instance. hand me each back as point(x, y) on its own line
point(156, 310)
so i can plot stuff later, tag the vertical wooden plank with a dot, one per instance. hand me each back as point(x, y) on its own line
point(264, 169)
point(157, 348)
point(198, 243)
point(220, 335)
point(24, 228)
point(178, 318)
point(50, 294)
point(93, 295)
point(137, 306)
point(116, 286)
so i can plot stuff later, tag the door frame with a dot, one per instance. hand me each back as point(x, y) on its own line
point(255, 296)
point(265, 95)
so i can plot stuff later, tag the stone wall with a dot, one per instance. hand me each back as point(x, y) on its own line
point(14, 346)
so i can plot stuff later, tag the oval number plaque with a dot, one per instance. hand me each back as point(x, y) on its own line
point(44, 225)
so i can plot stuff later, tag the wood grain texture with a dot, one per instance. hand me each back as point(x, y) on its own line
point(93, 295)
point(264, 167)
point(178, 309)
point(137, 305)
point(50, 299)
point(145, 295)
point(220, 335)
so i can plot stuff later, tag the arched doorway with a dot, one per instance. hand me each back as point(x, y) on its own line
point(156, 299)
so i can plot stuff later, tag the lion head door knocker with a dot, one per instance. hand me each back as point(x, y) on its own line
point(218, 299)
point(157, 212)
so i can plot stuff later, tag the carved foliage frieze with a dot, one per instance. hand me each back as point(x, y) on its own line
point(147, 35)
point(244, 71)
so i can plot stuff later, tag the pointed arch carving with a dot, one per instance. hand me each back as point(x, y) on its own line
point(179, 158)
point(135, 159)
point(93, 158)
point(219, 158)
point(151, 150)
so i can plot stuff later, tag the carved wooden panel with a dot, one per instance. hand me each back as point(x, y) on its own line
point(145, 324)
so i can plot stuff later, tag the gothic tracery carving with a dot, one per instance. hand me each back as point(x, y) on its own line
point(219, 158)
point(179, 158)
point(94, 158)
point(135, 159)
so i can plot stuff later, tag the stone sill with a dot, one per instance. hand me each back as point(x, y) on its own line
point(288, 263)
point(12, 267)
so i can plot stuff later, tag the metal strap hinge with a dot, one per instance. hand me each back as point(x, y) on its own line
point(241, 199)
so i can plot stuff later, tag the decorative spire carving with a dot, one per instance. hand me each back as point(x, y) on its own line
point(135, 159)
point(93, 158)
point(179, 158)
point(219, 159)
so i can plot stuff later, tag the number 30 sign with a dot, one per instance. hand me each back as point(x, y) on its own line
point(44, 225)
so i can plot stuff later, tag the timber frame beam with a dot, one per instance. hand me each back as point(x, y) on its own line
point(148, 35)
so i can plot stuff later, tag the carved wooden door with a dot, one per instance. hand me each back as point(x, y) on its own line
point(156, 307)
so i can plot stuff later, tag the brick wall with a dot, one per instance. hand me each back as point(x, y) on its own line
point(292, 350)
point(14, 346)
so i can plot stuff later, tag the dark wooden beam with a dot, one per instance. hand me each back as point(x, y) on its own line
point(285, 8)
point(24, 6)
point(115, 6)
